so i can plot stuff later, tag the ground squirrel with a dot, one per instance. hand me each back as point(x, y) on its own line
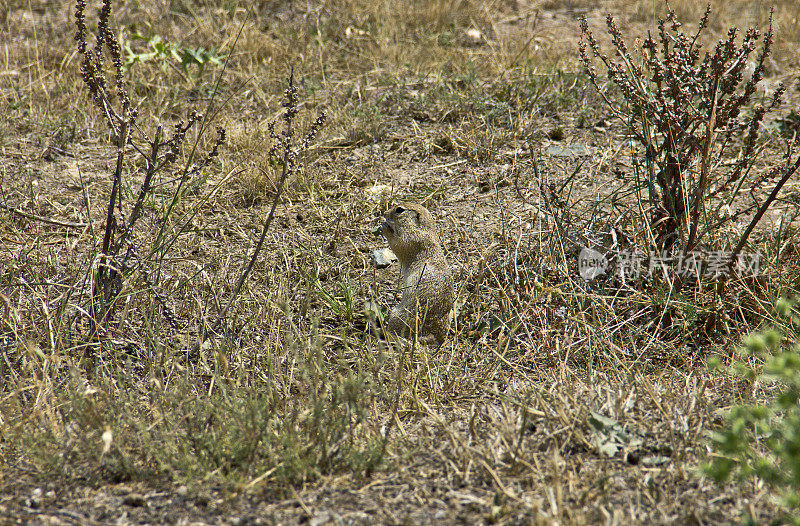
point(425, 278)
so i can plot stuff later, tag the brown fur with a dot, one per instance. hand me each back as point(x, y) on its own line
point(425, 278)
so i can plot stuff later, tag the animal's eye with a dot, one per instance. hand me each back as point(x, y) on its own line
point(399, 210)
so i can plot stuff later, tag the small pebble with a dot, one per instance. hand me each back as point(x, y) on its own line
point(383, 257)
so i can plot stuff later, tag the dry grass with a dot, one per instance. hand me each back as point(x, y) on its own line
point(555, 401)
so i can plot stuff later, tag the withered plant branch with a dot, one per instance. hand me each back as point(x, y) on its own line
point(150, 169)
point(283, 144)
point(140, 265)
point(704, 168)
point(790, 171)
point(115, 198)
point(130, 140)
point(47, 220)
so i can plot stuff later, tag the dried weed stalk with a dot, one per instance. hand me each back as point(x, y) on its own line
point(694, 115)
point(118, 256)
point(285, 152)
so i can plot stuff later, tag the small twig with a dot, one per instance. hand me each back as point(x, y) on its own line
point(42, 219)
point(790, 170)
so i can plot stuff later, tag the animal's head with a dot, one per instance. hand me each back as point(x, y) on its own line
point(408, 227)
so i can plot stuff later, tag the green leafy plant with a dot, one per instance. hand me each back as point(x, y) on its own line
point(157, 50)
point(763, 440)
point(168, 54)
point(200, 57)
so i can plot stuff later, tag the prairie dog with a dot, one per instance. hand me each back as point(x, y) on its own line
point(425, 278)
